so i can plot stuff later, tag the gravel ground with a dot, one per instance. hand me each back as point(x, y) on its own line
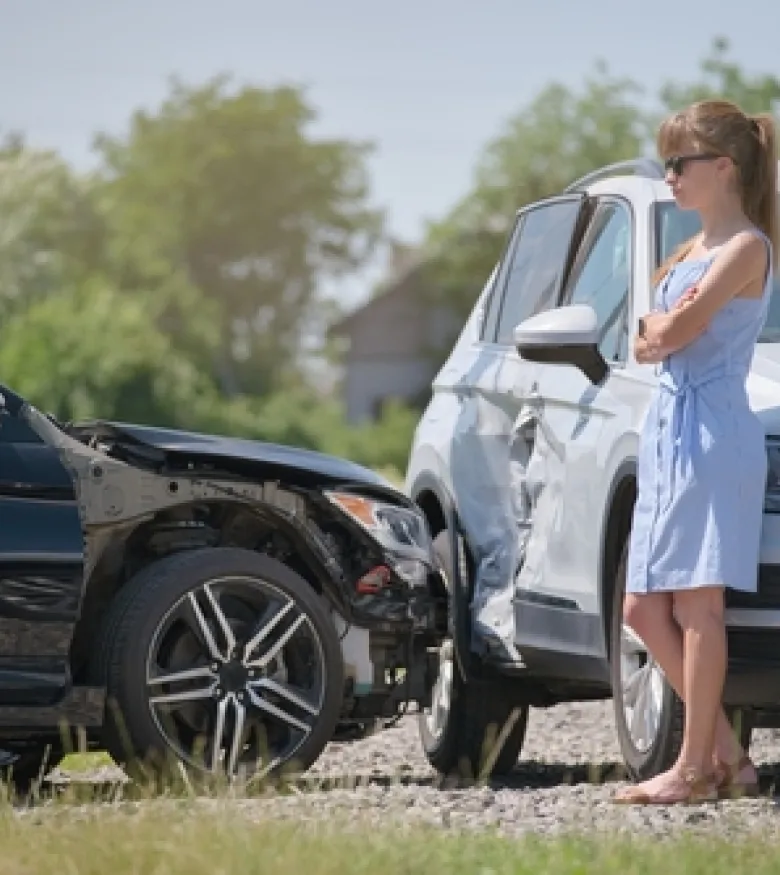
point(568, 770)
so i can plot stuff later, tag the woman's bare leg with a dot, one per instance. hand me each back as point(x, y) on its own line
point(651, 616)
point(700, 615)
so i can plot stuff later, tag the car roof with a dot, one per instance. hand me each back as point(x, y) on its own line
point(645, 185)
point(639, 189)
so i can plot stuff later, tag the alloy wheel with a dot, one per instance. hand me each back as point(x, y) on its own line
point(235, 676)
point(438, 714)
point(642, 684)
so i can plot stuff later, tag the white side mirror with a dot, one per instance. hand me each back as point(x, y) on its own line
point(564, 336)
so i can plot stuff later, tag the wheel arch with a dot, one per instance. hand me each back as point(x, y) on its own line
point(433, 498)
point(622, 495)
point(129, 552)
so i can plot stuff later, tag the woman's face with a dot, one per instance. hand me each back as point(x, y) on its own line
point(696, 175)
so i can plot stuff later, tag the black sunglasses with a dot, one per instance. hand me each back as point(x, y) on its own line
point(677, 162)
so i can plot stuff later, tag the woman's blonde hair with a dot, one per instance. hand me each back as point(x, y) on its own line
point(750, 141)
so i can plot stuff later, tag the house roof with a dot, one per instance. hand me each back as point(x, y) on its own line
point(397, 285)
point(419, 260)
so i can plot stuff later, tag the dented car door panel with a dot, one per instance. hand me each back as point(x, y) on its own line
point(574, 421)
point(488, 460)
point(41, 567)
point(567, 468)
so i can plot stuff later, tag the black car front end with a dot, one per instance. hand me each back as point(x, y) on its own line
point(360, 541)
point(142, 497)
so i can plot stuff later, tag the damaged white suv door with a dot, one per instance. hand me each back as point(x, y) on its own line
point(476, 461)
point(576, 427)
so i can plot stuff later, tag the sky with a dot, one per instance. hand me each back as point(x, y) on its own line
point(429, 82)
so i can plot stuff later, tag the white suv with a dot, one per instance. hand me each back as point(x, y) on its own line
point(524, 463)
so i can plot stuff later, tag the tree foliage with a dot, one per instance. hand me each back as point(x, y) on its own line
point(228, 189)
point(722, 78)
point(92, 352)
point(49, 232)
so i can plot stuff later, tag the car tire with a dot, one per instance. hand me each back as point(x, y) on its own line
point(742, 723)
point(468, 716)
point(168, 605)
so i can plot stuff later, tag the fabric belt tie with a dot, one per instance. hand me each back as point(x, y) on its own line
point(684, 418)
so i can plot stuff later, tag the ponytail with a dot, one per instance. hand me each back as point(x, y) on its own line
point(760, 193)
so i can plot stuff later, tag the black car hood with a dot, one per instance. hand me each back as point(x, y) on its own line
point(301, 464)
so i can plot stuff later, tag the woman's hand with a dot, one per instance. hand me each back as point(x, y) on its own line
point(646, 353)
point(685, 299)
point(647, 349)
point(658, 327)
point(656, 324)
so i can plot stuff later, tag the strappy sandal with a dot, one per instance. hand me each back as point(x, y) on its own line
point(700, 788)
point(728, 785)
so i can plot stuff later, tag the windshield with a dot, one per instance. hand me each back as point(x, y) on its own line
point(674, 226)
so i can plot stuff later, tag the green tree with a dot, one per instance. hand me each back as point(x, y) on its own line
point(229, 189)
point(721, 78)
point(91, 351)
point(51, 233)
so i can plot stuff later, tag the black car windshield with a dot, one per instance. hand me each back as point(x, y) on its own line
point(674, 226)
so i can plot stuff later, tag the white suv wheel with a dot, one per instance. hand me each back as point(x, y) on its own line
point(467, 715)
point(642, 683)
point(441, 695)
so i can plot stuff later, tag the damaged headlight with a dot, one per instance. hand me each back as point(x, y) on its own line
point(401, 531)
point(772, 498)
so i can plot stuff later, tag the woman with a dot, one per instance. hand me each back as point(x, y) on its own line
point(702, 461)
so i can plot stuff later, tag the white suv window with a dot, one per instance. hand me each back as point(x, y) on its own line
point(536, 262)
point(674, 226)
point(601, 276)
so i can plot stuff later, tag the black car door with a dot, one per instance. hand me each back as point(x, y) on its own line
point(41, 567)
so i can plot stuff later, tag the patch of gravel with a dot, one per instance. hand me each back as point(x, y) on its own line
point(568, 770)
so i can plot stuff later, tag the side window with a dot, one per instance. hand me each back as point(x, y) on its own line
point(601, 276)
point(16, 431)
point(490, 323)
point(535, 266)
point(492, 306)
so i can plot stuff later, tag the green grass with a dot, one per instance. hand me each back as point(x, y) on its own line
point(188, 838)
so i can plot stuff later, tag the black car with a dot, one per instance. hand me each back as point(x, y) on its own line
point(230, 602)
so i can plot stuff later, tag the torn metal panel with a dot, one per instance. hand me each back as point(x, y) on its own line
point(114, 498)
point(113, 495)
point(488, 462)
point(543, 486)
